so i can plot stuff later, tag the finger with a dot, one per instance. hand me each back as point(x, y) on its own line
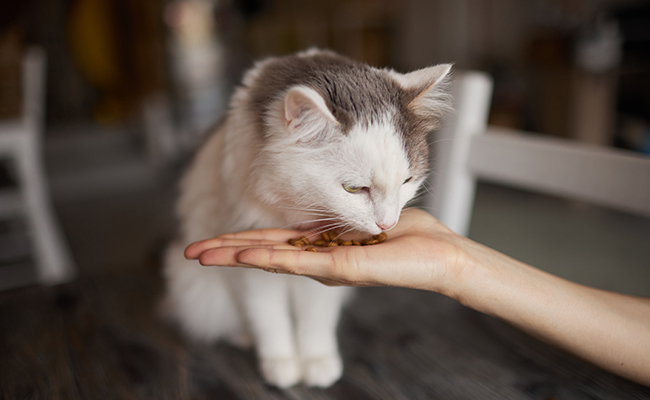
point(317, 264)
point(258, 236)
point(195, 249)
point(332, 267)
point(227, 255)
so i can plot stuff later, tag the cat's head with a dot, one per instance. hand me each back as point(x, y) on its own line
point(350, 150)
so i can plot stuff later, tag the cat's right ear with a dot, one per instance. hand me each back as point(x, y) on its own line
point(426, 90)
point(306, 115)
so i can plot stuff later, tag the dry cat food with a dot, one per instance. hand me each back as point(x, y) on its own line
point(330, 239)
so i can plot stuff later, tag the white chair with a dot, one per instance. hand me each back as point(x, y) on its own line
point(20, 143)
point(466, 150)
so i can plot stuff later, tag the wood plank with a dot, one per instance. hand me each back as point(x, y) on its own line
point(600, 175)
point(100, 338)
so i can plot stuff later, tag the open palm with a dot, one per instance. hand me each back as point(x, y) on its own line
point(419, 253)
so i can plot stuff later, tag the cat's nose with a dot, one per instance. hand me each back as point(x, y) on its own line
point(385, 227)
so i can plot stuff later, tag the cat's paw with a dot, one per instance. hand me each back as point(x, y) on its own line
point(322, 371)
point(281, 372)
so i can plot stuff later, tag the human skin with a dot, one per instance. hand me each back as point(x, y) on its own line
point(608, 329)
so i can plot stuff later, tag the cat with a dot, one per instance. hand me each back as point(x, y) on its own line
point(313, 141)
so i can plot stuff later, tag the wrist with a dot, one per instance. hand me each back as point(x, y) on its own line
point(478, 276)
point(454, 267)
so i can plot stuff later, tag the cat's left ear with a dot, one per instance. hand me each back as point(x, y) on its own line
point(305, 113)
point(426, 90)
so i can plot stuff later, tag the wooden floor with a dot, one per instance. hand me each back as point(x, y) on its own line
point(99, 338)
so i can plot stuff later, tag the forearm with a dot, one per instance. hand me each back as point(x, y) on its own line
point(607, 329)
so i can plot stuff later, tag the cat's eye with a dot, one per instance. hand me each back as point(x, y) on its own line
point(351, 189)
point(408, 180)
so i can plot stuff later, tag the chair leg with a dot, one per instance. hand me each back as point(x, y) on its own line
point(53, 259)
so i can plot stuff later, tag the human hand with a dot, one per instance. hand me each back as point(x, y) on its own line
point(420, 253)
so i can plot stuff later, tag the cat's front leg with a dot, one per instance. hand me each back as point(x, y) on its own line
point(317, 310)
point(266, 303)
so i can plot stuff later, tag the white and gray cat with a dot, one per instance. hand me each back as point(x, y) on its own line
point(311, 141)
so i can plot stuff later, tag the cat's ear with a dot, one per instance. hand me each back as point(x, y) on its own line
point(426, 90)
point(305, 113)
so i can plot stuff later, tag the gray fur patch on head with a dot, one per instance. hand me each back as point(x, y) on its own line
point(355, 94)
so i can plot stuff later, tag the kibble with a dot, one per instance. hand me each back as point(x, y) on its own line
point(303, 241)
point(330, 239)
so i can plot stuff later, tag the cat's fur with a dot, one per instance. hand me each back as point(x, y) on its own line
point(298, 129)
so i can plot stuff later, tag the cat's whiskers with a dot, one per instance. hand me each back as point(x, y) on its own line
point(426, 186)
point(325, 228)
point(351, 228)
point(424, 190)
point(305, 222)
point(411, 202)
point(307, 210)
point(302, 205)
point(320, 216)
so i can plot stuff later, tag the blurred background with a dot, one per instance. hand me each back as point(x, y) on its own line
point(133, 85)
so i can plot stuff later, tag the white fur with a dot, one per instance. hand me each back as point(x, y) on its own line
point(293, 177)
